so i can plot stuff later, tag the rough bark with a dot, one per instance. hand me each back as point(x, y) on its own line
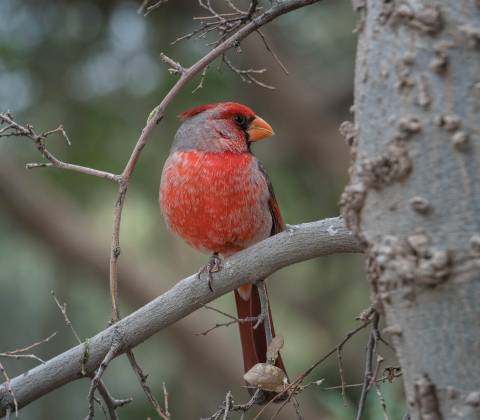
point(414, 194)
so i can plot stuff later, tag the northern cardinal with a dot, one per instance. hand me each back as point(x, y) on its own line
point(215, 194)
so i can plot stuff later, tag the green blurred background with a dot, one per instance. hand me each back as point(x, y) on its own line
point(94, 67)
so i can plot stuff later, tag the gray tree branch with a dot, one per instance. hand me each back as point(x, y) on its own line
point(297, 243)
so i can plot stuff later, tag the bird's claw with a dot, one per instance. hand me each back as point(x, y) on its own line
point(214, 265)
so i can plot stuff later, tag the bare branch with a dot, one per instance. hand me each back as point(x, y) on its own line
point(297, 243)
point(63, 310)
point(382, 401)
point(234, 320)
point(264, 314)
point(17, 354)
point(60, 130)
point(111, 403)
point(367, 380)
point(294, 388)
point(146, 10)
point(247, 75)
point(165, 399)
point(14, 129)
point(251, 10)
point(342, 379)
point(202, 78)
point(296, 385)
point(229, 406)
point(115, 346)
point(271, 51)
point(176, 68)
point(142, 378)
point(234, 7)
point(14, 353)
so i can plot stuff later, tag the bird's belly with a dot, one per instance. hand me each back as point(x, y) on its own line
point(216, 203)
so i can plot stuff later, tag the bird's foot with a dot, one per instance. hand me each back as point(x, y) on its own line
point(214, 265)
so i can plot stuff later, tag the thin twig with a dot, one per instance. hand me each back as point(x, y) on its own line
point(265, 314)
point(60, 130)
point(22, 356)
point(234, 7)
point(111, 402)
point(247, 75)
point(115, 249)
point(387, 377)
point(202, 78)
point(296, 405)
point(251, 10)
point(142, 378)
point(103, 407)
point(165, 400)
point(116, 343)
point(234, 320)
point(272, 52)
point(380, 360)
point(228, 403)
point(15, 129)
point(382, 401)
point(175, 68)
point(14, 354)
point(146, 10)
point(216, 16)
point(229, 406)
point(342, 378)
point(63, 310)
point(371, 347)
point(292, 388)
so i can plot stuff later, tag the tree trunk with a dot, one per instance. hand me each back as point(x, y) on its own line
point(414, 194)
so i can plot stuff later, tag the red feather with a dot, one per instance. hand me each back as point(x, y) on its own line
point(194, 111)
point(213, 202)
point(228, 109)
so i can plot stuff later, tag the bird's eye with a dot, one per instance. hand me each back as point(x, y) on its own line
point(241, 120)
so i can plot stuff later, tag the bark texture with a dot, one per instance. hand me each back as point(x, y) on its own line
point(414, 194)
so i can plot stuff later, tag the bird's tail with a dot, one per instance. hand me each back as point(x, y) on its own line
point(254, 341)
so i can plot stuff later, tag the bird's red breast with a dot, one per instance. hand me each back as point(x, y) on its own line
point(217, 202)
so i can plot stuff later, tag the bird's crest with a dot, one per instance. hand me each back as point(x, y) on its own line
point(197, 110)
point(230, 108)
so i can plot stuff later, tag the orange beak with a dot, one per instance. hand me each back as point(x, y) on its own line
point(259, 129)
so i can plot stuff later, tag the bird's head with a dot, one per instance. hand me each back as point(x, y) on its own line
point(223, 126)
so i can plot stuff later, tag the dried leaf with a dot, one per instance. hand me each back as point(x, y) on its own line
point(266, 376)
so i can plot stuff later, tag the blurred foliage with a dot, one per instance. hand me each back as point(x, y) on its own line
point(94, 67)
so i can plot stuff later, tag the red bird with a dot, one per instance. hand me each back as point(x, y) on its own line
point(215, 194)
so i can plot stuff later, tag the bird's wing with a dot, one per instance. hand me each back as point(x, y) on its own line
point(278, 225)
